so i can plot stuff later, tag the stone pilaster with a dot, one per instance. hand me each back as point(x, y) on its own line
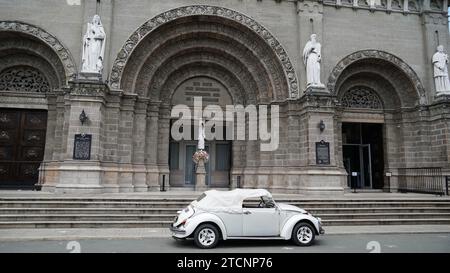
point(139, 131)
point(151, 148)
point(80, 175)
point(163, 143)
point(126, 121)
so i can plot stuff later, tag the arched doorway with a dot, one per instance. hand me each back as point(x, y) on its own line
point(182, 168)
point(374, 90)
point(204, 45)
point(33, 67)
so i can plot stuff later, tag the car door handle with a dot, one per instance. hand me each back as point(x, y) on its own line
point(247, 212)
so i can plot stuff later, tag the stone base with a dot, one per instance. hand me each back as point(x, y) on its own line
point(90, 76)
point(315, 89)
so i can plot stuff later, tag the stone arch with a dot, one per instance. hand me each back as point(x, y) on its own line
point(277, 54)
point(376, 55)
point(228, 80)
point(39, 34)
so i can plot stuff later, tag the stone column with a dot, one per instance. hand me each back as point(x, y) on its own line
point(110, 144)
point(151, 148)
point(163, 143)
point(139, 131)
point(126, 142)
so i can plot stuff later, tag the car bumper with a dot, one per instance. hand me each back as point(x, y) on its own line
point(321, 230)
point(177, 232)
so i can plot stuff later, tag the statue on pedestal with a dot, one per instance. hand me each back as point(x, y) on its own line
point(93, 47)
point(440, 69)
point(200, 157)
point(311, 59)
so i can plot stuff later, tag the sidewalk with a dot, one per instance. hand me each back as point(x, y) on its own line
point(145, 233)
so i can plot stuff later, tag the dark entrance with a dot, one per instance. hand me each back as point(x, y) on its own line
point(363, 154)
point(22, 143)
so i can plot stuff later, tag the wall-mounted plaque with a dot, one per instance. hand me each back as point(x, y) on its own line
point(322, 153)
point(82, 147)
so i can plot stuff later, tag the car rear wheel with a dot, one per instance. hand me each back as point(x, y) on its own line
point(206, 236)
point(303, 234)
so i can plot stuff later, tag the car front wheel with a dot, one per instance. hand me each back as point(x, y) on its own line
point(206, 236)
point(303, 234)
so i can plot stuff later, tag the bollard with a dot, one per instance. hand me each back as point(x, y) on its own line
point(238, 183)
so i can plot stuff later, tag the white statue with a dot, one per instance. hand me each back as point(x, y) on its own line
point(440, 62)
point(201, 135)
point(93, 47)
point(312, 58)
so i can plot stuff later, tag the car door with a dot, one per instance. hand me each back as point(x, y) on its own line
point(260, 221)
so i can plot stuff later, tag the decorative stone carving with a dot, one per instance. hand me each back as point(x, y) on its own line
point(435, 5)
point(312, 58)
point(4, 135)
point(413, 5)
point(373, 54)
point(361, 97)
point(440, 69)
point(363, 3)
point(93, 47)
point(23, 79)
point(168, 16)
point(47, 38)
point(397, 4)
point(88, 89)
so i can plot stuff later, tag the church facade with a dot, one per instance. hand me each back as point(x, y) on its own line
point(382, 108)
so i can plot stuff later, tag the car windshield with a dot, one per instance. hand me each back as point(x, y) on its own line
point(201, 197)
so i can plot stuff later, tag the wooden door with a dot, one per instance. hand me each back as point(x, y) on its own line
point(22, 144)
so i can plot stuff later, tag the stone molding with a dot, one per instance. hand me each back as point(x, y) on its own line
point(171, 15)
point(49, 39)
point(374, 54)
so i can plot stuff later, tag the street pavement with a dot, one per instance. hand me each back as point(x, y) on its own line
point(337, 243)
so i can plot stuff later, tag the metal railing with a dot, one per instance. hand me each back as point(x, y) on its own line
point(422, 180)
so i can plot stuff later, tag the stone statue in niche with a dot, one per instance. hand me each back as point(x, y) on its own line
point(311, 58)
point(93, 47)
point(440, 69)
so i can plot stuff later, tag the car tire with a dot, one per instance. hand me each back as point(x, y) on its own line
point(303, 234)
point(206, 236)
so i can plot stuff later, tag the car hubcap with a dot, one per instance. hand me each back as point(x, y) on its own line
point(206, 236)
point(304, 234)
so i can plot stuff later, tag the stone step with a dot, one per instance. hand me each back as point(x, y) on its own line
point(85, 217)
point(162, 210)
point(327, 216)
point(154, 224)
point(180, 205)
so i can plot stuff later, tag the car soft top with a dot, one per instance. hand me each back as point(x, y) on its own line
point(228, 201)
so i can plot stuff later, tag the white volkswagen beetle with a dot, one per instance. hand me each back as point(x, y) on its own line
point(235, 215)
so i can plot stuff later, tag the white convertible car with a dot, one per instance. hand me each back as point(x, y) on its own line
point(243, 214)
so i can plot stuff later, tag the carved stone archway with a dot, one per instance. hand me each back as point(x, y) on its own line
point(50, 40)
point(374, 54)
point(204, 10)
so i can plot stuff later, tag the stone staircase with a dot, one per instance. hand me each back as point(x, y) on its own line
point(123, 212)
